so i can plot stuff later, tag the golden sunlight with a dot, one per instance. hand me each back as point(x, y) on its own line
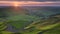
point(15, 4)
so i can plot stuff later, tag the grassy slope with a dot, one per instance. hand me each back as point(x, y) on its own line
point(51, 25)
point(20, 20)
point(55, 30)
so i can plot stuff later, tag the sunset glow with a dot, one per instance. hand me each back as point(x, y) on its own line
point(24, 3)
point(15, 4)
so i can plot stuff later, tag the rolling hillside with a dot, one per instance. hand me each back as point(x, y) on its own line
point(31, 20)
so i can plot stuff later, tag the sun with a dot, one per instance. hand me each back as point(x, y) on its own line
point(16, 4)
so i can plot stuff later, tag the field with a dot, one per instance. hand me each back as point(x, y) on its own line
point(30, 20)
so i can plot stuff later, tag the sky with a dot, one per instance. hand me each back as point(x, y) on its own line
point(29, 2)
